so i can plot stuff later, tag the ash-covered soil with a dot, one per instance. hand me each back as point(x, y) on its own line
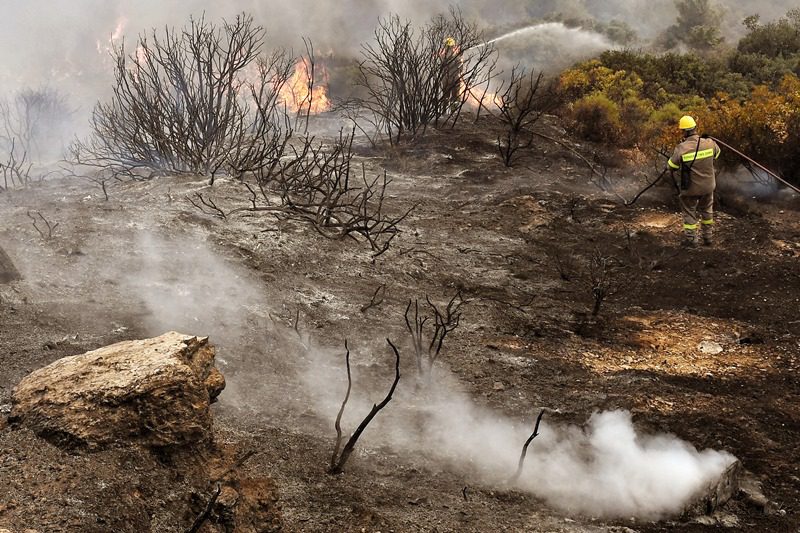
point(517, 243)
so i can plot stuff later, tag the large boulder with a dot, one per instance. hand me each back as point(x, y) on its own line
point(8, 272)
point(153, 392)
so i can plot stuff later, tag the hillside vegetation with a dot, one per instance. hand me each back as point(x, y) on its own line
point(748, 95)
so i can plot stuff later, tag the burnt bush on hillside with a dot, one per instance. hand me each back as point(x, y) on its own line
point(319, 185)
point(520, 103)
point(429, 326)
point(16, 168)
point(32, 129)
point(201, 100)
point(342, 454)
point(407, 75)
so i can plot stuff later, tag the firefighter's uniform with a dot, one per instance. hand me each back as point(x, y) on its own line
point(451, 75)
point(694, 157)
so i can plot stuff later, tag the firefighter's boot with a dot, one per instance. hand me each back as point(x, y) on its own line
point(707, 230)
point(689, 235)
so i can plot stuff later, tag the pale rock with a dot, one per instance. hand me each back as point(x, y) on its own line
point(710, 347)
point(154, 392)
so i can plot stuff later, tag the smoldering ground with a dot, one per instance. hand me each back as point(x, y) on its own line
point(605, 468)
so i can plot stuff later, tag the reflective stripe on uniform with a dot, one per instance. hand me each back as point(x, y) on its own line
point(673, 165)
point(707, 222)
point(702, 154)
point(690, 226)
point(718, 153)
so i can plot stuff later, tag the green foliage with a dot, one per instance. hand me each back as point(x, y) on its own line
point(748, 96)
point(766, 125)
point(596, 118)
point(697, 25)
point(780, 38)
point(758, 68)
point(769, 51)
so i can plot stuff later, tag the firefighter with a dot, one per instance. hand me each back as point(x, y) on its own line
point(451, 75)
point(694, 158)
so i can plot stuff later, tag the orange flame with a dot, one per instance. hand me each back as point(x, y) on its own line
point(477, 97)
point(299, 93)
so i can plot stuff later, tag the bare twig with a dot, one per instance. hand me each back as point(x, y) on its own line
point(206, 205)
point(414, 81)
point(337, 465)
point(602, 183)
point(426, 350)
point(519, 307)
point(520, 104)
point(525, 448)
point(377, 298)
point(200, 100)
point(35, 217)
point(317, 184)
point(201, 519)
point(338, 424)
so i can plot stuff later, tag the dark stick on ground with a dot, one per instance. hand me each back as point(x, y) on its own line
point(338, 423)
point(50, 227)
point(238, 464)
point(337, 465)
point(296, 325)
point(200, 520)
point(377, 298)
point(525, 448)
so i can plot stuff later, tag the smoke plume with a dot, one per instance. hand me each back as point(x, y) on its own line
point(605, 468)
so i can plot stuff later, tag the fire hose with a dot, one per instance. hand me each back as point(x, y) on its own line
point(757, 164)
point(732, 149)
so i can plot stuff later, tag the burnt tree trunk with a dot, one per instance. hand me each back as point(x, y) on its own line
point(8, 272)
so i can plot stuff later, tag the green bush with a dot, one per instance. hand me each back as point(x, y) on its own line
point(596, 118)
point(779, 38)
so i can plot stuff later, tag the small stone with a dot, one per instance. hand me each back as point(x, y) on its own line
point(710, 347)
point(498, 386)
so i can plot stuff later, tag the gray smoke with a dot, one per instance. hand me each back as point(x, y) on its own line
point(65, 46)
point(605, 468)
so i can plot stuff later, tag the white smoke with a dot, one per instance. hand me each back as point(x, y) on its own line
point(549, 46)
point(604, 469)
point(185, 286)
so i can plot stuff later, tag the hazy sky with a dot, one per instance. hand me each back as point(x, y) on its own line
point(63, 43)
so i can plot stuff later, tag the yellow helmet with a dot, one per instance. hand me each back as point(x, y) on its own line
point(687, 123)
point(449, 42)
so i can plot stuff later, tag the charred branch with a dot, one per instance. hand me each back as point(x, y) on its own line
point(603, 279)
point(338, 423)
point(597, 176)
point(46, 231)
point(376, 300)
point(428, 342)
point(16, 169)
point(206, 205)
point(200, 101)
point(524, 452)
point(202, 517)
point(337, 464)
point(318, 185)
point(519, 104)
